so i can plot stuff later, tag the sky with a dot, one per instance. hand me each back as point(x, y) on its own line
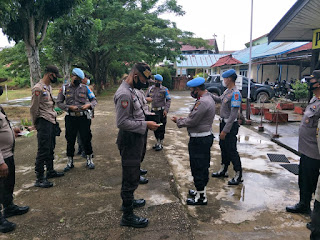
point(228, 19)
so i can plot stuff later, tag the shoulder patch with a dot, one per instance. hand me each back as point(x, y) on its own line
point(236, 99)
point(197, 105)
point(124, 103)
point(37, 92)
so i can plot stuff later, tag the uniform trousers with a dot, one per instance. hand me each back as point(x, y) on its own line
point(228, 147)
point(144, 145)
point(7, 183)
point(159, 133)
point(73, 126)
point(199, 153)
point(308, 177)
point(131, 147)
point(46, 144)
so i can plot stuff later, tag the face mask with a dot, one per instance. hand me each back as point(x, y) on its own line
point(157, 84)
point(311, 86)
point(1, 90)
point(224, 83)
point(194, 94)
point(139, 84)
point(54, 79)
point(76, 82)
point(88, 82)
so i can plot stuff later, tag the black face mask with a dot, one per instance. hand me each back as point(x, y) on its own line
point(157, 84)
point(139, 84)
point(54, 80)
point(311, 86)
point(76, 82)
point(194, 94)
point(1, 90)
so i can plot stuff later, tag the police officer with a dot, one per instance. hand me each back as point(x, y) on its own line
point(229, 127)
point(199, 126)
point(75, 100)
point(161, 100)
point(44, 119)
point(7, 174)
point(131, 139)
point(310, 158)
point(315, 216)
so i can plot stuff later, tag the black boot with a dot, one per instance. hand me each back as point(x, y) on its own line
point(143, 180)
point(14, 210)
point(5, 225)
point(300, 207)
point(237, 179)
point(42, 181)
point(69, 164)
point(222, 172)
point(131, 220)
point(199, 199)
point(54, 174)
point(192, 193)
point(136, 203)
point(143, 172)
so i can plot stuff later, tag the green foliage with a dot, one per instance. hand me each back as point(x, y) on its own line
point(200, 74)
point(26, 122)
point(300, 90)
point(167, 78)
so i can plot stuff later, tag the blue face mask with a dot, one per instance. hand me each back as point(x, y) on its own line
point(88, 81)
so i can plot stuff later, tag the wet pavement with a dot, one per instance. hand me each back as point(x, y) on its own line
point(85, 204)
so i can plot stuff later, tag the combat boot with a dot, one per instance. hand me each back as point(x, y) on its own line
point(237, 179)
point(143, 180)
point(14, 210)
point(90, 163)
point(69, 164)
point(5, 225)
point(192, 193)
point(136, 203)
point(199, 199)
point(143, 172)
point(42, 182)
point(300, 207)
point(131, 220)
point(222, 172)
point(54, 174)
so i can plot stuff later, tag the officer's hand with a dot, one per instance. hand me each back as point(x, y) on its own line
point(149, 99)
point(223, 135)
point(16, 131)
point(174, 119)
point(165, 113)
point(73, 108)
point(86, 106)
point(152, 125)
point(4, 170)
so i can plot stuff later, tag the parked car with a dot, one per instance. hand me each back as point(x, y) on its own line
point(258, 92)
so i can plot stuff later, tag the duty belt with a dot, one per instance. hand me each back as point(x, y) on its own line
point(202, 134)
point(75, 114)
point(226, 120)
point(157, 109)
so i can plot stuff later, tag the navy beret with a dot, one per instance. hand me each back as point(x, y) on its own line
point(196, 82)
point(158, 77)
point(228, 73)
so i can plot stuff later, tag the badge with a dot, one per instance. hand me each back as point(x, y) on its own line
point(60, 90)
point(197, 105)
point(37, 92)
point(124, 103)
point(236, 96)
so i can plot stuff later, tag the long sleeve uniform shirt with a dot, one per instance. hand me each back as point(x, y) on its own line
point(6, 137)
point(160, 97)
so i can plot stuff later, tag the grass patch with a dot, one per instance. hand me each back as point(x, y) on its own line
point(17, 113)
point(20, 93)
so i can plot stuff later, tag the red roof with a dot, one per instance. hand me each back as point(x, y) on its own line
point(211, 42)
point(226, 60)
point(307, 46)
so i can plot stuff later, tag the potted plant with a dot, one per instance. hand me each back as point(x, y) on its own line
point(301, 93)
point(275, 116)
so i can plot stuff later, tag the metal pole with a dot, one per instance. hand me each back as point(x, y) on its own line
point(249, 73)
point(6, 93)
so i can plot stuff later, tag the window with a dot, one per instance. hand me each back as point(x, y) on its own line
point(244, 72)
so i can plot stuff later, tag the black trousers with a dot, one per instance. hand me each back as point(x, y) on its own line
point(315, 219)
point(73, 126)
point(46, 144)
point(144, 146)
point(159, 133)
point(228, 147)
point(131, 147)
point(199, 153)
point(7, 184)
point(308, 177)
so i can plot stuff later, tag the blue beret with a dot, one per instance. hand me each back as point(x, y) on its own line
point(196, 82)
point(158, 77)
point(228, 73)
point(78, 72)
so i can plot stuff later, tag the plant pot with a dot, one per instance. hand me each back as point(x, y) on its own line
point(244, 106)
point(285, 106)
point(299, 110)
point(257, 110)
point(272, 116)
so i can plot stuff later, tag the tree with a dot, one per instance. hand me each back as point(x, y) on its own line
point(28, 20)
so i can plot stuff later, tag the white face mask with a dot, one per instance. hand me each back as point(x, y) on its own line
point(224, 83)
